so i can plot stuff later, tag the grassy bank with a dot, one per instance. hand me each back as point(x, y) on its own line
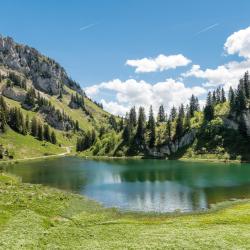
point(34, 216)
point(191, 159)
point(215, 160)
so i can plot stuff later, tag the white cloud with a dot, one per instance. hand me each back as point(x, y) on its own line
point(114, 107)
point(239, 43)
point(159, 63)
point(141, 93)
point(226, 75)
point(229, 73)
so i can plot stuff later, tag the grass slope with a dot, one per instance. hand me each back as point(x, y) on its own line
point(38, 217)
point(26, 146)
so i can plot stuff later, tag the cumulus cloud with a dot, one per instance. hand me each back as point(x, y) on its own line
point(159, 63)
point(114, 107)
point(140, 93)
point(228, 74)
point(239, 43)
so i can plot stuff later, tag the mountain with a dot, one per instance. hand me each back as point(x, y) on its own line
point(43, 111)
point(37, 86)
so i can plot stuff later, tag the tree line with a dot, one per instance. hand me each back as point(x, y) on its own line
point(14, 118)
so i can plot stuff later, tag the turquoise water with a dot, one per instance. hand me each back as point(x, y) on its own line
point(142, 185)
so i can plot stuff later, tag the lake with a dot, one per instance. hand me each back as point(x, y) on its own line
point(142, 185)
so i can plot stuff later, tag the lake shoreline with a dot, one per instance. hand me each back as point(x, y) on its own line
point(123, 212)
point(161, 159)
point(15, 161)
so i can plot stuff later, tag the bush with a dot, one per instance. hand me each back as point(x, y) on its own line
point(238, 157)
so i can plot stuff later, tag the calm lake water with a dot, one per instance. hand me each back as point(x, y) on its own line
point(142, 185)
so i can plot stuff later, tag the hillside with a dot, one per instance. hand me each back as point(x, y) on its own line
point(219, 131)
point(39, 87)
point(42, 110)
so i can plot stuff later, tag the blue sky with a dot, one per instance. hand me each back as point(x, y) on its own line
point(94, 39)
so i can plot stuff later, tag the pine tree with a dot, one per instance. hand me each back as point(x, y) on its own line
point(132, 117)
point(161, 114)
point(53, 138)
point(34, 127)
point(223, 96)
point(231, 98)
point(24, 129)
point(16, 121)
point(209, 108)
point(3, 122)
point(77, 128)
point(179, 123)
point(101, 131)
point(242, 126)
point(214, 100)
point(78, 144)
point(126, 134)
point(121, 124)
point(151, 127)
point(240, 101)
point(60, 94)
point(218, 95)
point(30, 98)
point(93, 136)
point(173, 113)
point(3, 114)
point(112, 122)
point(169, 129)
point(247, 85)
point(46, 133)
point(187, 123)
point(40, 131)
point(139, 136)
point(193, 105)
point(27, 123)
point(3, 105)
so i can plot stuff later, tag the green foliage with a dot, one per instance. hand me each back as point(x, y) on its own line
point(76, 101)
point(113, 123)
point(161, 117)
point(86, 141)
point(193, 105)
point(30, 98)
point(151, 127)
point(179, 130)
point(222, 109)
point(53, 138)
point(16, 80)
point(106, 145)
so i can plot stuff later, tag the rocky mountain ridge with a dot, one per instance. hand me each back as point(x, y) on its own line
point(46, 74)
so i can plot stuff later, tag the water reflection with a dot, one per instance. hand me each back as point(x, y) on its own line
point(143, 185)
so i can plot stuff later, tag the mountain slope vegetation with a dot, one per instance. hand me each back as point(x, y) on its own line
point(41, 108)
point(220, 130)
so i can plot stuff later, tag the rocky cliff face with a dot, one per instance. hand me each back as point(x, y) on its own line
point(246, 116)
point(46, 74)
point(173, 147)
point(234, 122)
point(14, 94)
